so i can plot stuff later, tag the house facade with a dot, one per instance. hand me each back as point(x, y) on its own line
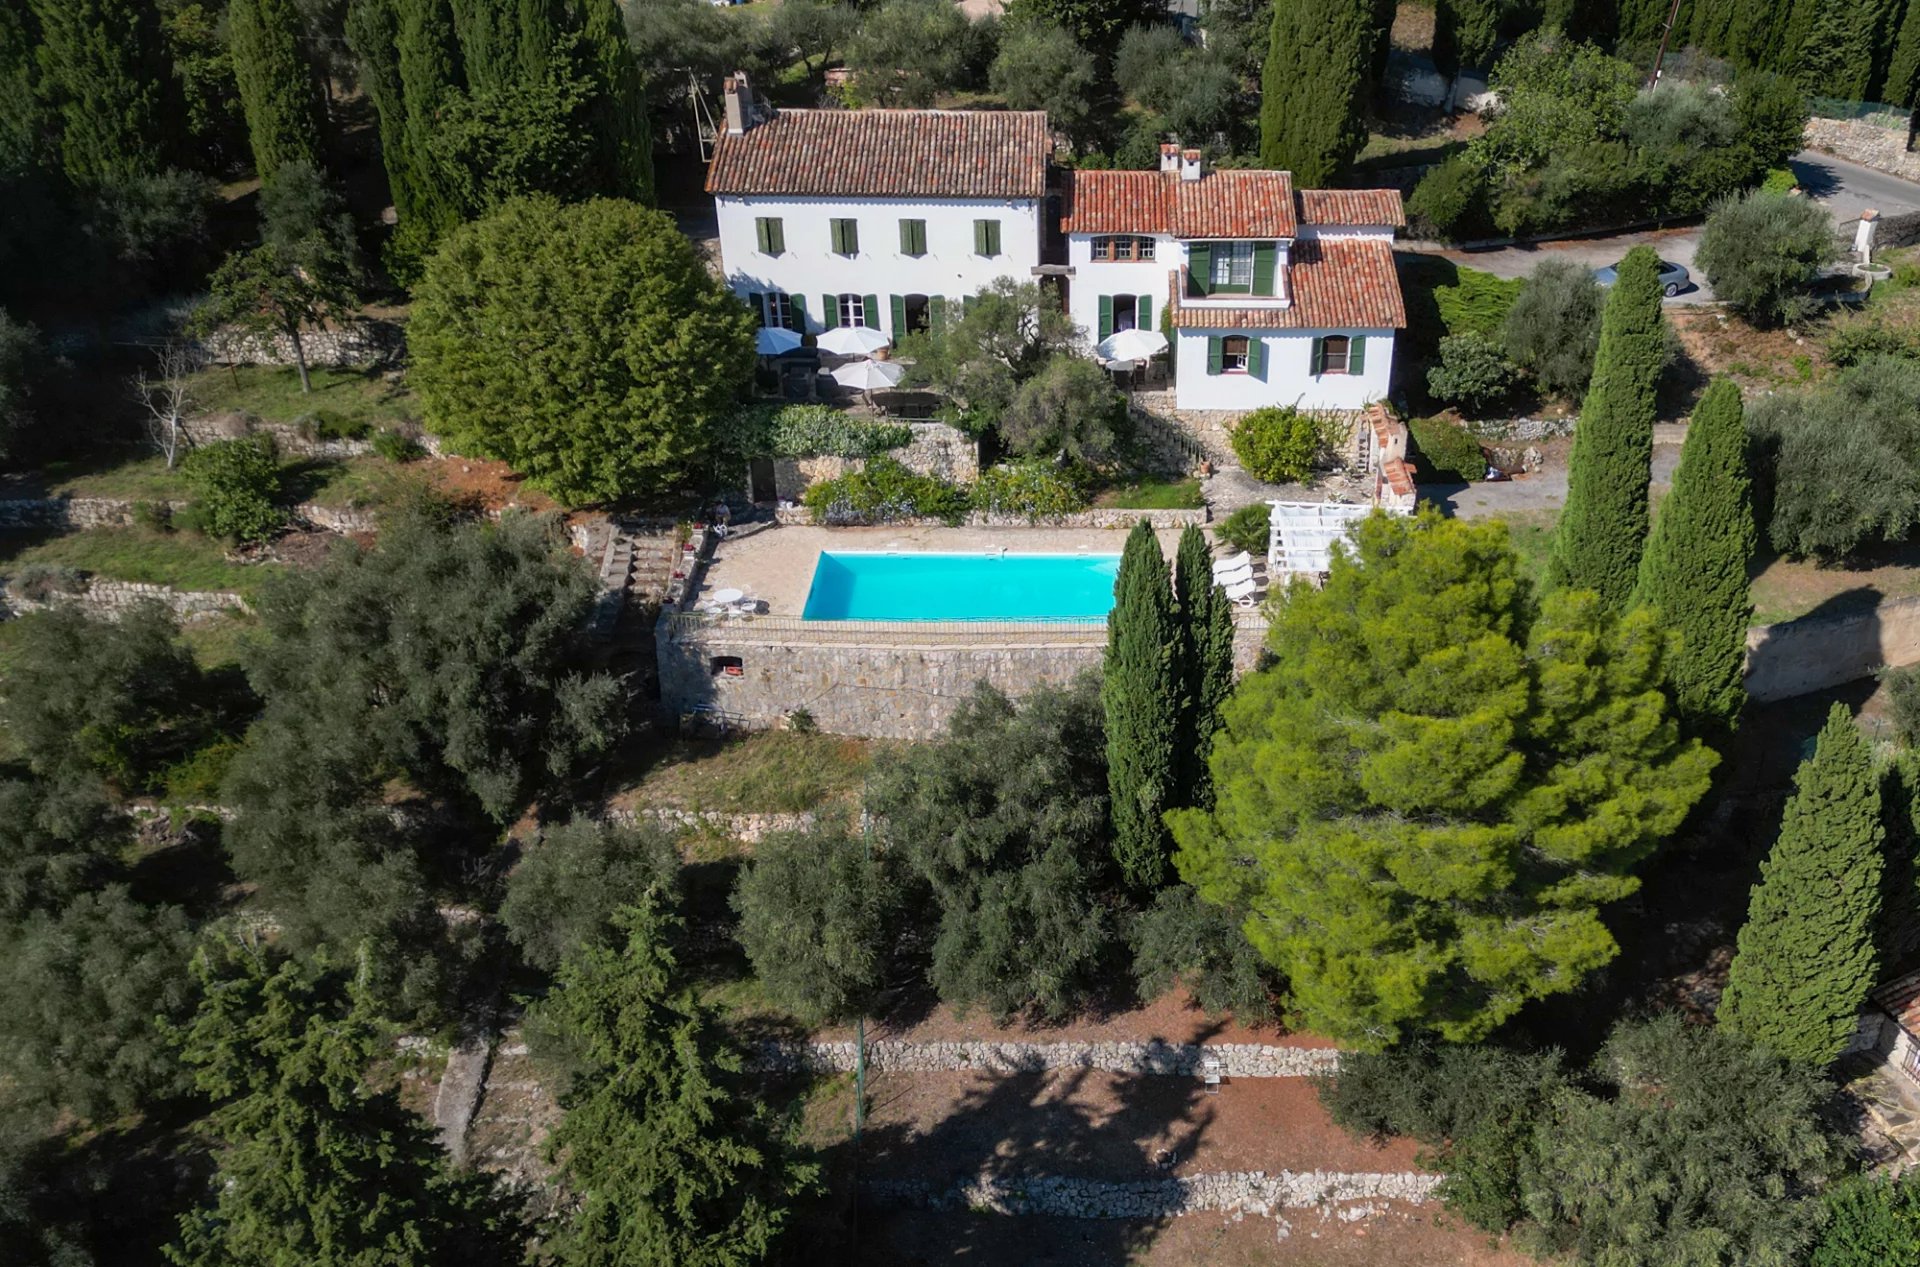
point(890, 218)
point(1267, 294)
point(878, 218)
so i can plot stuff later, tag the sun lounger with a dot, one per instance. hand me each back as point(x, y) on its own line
point(1232, 563)
point(1242, 593)
point(1234, 576)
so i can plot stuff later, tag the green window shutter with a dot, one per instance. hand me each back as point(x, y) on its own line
point(853, 237)
point(899, 305)
point(1319, 360)
point(846, 237)
point(1263, 267)
point(937, 313)
point(830, 312)
point(1257, 357)
point(986, 237)
point(993, 237)
point(797, 312)
point(758, 302)
point(777, 234)
point(1106, 316)
point(760, 235)
point(1215, 353)
point(1143, 312)
point(870, 311)
point(913, 237)
point(1200, 266)
point(838, 238)
point(1357, 354)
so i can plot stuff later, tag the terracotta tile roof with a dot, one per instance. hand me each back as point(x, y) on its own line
point(1352, 207)
point(888, 153)
point(1235, 204)
point(1900, 999)
point(1336, 284)
point(1221, 204)
point(1117, 202)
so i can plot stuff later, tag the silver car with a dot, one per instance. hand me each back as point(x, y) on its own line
point(1673, 277)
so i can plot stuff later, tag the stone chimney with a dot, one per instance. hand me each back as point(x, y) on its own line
point(738, 94)
point(1169, 156)
point(1192, 165)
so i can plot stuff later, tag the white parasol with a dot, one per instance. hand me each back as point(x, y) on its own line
point(1131, 345)
point(867, 375)
point(852, 341)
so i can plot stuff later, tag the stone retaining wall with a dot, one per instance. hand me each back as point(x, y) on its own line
point(70, 512)
point(747, 828)
point(1235, 1192)
point(110, 599)
point(1163, 1059)
point(1098, 517)
point(357, 343)
point(937, 449)
point(1819, 651)
point(341, 519)
point(1868, 144)
point(287, 438)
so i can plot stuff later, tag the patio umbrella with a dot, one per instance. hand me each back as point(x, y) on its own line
point(1131, 345)
point(852, 341)
point(773, 341)
point(867, 375)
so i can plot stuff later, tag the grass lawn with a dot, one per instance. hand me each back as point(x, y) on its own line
point(1153, 494)
point(143, 479)
point(184, 560)
point(773, 772)
point(1532, 535)
point(274, 395)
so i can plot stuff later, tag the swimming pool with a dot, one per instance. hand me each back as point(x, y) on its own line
point(978, 586)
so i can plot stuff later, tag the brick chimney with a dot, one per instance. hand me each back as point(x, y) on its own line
point(1192, 165)
point(1169, 156)
point(738, 94)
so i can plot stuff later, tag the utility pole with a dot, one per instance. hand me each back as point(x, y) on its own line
point(1673, 15)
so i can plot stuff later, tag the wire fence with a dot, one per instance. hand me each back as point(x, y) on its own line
point(1877, 113)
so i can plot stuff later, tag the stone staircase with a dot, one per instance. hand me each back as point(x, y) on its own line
point(630, 563)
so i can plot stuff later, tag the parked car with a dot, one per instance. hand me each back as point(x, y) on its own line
point(1673, 278)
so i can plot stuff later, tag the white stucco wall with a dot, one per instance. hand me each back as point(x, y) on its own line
point(1288, 381)
point(1091, 280)
point(810, 268)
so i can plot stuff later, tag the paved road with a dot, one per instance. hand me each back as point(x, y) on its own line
point(1845, 188)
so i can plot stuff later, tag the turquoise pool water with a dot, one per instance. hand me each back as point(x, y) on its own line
point(978, 586)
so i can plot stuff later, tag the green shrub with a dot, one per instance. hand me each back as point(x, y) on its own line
point(1780, 180)
point(1477, 303)
point(1449, 202)
point(395, 446)
point(1443, 450)
point(1249, 528)
point(1553, 329)
point(1853, 337)
point(1872, 1221)
point(882, 493)
point(153, 516)
point(1278, 445)
point(1472, 372)
point(38, 582)
point(1762, 252)
point(1031, 487)
point(324, 424)
point(1182, 939)
point(804, 431)
point(236, 483)
point(1903, 703)
point(197, 780)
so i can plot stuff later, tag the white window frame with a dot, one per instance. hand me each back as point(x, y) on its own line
point(1232, 265)
point(853, 310)
point(1227, 357)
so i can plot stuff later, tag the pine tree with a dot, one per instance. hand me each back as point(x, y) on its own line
point(1694, 571)
point(1203, 661)
point(314, 1168)
point(104, 71)
point(671, 1162)
point(1603, 527)
point(1141, 697)
point(1806, 956)
point(277, 87)
point(1314, 87)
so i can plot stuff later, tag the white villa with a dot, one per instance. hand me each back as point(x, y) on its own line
point(888, 218)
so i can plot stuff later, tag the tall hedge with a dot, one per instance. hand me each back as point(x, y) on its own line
point(278, 89)
point(103, 69)
point(1695, 567)
point(1314, 88)
point(1141, 698)
point(1806, 956)
point(1204, 660)
point(1603, 527)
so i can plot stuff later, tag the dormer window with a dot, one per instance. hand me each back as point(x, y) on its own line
point(1122, 250)
point(1233, 266)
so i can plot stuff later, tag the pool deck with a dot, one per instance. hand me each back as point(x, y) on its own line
point(776, 565)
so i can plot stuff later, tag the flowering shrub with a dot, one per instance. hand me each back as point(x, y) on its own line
point(1031, 487)
point(885, 491)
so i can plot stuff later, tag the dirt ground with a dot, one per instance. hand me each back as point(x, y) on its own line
point(1720, 342)
point(1393, 1236)
point(1173, 1017)
point(1116, 1127)
point(494, 485)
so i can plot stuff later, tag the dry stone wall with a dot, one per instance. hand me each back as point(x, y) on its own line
point(1162, 1059)
point(70, 512)
point(1098, 517)
point(351, 345)
point(937, 449)
point(112, 599)
point(1234, 1192)
point(287, 439)
point(1868, 144)
point(746, 828)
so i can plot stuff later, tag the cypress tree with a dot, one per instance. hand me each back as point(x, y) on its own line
point(1141, 699)
point(619, 113)
point(277, 87)
point(1203, 663)
point(429, 69)
point(1903, 71)
point(1694, 571)
point(1806, 956)
point(1839, 49)
point(104, 72)
point(1603, 527)
point(1314, 87)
